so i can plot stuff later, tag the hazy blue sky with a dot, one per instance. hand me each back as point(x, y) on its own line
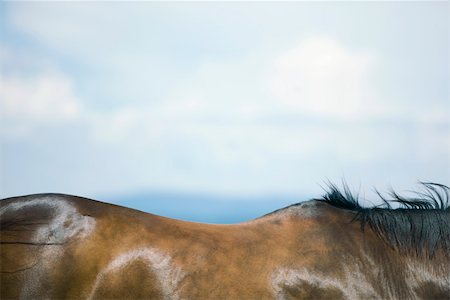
point(223, 98)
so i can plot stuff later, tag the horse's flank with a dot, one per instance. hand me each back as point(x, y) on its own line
point(59, 246)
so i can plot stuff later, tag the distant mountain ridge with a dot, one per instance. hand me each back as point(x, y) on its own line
point(202, 207)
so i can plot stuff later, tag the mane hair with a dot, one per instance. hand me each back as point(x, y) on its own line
point(419, 225)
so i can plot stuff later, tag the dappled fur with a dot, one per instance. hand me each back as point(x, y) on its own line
point(57, 246)
point(420, 224)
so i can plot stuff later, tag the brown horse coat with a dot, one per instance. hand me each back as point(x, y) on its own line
point(58, 246)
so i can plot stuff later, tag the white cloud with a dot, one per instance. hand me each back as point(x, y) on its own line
point(225, 110)
point(196, 115)
point(45, 98)
point(321, 76)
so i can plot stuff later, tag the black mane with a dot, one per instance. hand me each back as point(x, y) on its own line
point(419, 225)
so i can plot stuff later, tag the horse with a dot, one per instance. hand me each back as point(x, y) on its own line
point(56, 246)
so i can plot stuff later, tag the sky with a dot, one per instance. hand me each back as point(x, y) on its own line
point(223, 98)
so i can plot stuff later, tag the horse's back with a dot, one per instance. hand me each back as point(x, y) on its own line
point(59, 246)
